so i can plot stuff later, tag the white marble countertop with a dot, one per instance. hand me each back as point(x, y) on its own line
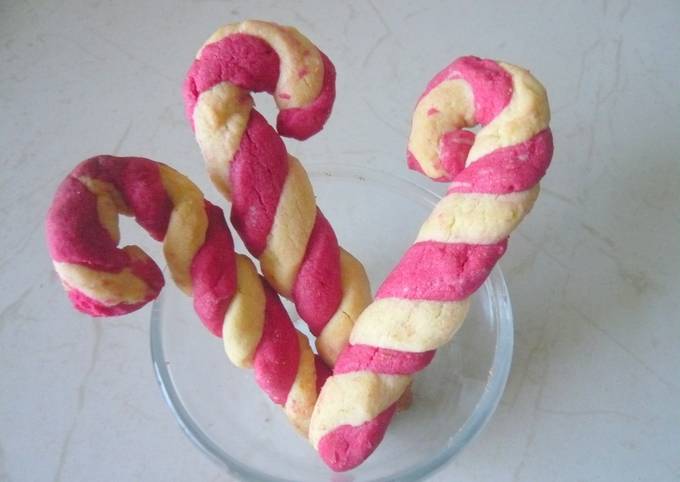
point(594, 272)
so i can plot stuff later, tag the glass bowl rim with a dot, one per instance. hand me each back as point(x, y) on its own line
point(484, 408)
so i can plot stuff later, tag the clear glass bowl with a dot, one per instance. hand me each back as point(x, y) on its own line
point(376, 216)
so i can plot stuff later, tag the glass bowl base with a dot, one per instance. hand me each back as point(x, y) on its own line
point(375, 216)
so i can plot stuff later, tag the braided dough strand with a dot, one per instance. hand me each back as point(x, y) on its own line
point(231, 299)
point(422, 303)
point(273, 204)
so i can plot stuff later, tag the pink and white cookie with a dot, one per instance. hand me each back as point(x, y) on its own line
point(494, 182)
point(273, 204)
point(231, 299)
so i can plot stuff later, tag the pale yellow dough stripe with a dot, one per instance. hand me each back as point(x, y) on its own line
point(477, 218)
point(302, 395)
point(293, 223)
point(107, 288)
point(188, 223)
point(103, 188)
point(301, 67)
point(356, 295)
point(367, 393)
point(220, 118)
point(409, 325)
point(454, 102)
point(109, 204)
point(107, 212)
point(244, 319)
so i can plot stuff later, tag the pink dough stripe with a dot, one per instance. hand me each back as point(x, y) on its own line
point(317, 291)
point(454, 147)
point(356, 358)
point(491, 85)
point(143, 191)
point(432, 270)
point(93, 307)
point(346, 446)
point(213, 272)
point(257, 175)
point(510, 169)
point(278, 353)
point(322, 372)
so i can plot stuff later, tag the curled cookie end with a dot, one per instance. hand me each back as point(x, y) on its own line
point(414, 165)
point(454, 147)
point(491, 84)
point(93, 307)
point(347, 446)
point(146, 269)
point(241, 59)
point(303, 122)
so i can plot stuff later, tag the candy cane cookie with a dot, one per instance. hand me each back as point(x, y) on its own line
point(231, 299)
point(494, 182)
point(273, 204)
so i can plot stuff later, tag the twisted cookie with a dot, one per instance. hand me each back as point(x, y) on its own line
point(424, 300)
point(231, 299)
point(273, 205)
